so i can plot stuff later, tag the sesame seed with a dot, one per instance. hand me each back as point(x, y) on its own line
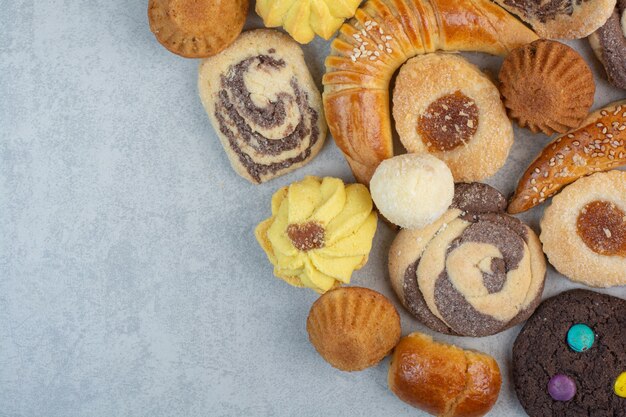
point(576, 143)
point(604, 113)
point(570, 136)
point(389, 50)
point(537, 170)
point(372, 58)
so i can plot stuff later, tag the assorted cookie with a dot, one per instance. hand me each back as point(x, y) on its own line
point(445, 106)
point(609, 45)
point(263, 104)
point(303, 19)
point(353, 328)
point(584, 230)
point(443, 380)
point(412, 190)
point(547, 87)
point(320, 231)
point(561, 19)
point(570, 357)
point(197, 28)
point(474, 272)
point(380, 38)
point(598, 145)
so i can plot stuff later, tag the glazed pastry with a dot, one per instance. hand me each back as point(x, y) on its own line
point(353, 328)
point(263, 104)
point(609, 45)
point(320, 231)
point(598, 145)
point(412, 190)
point(584, 230)
point(302, 19)
point(561, 19)
point(547, 87)
point(377, 41)
point(474, 272)
point(443, 380)
point(446, 106)
point(196, 28)
point(570, 357)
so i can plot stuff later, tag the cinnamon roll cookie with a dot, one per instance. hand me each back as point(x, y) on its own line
point(445, 106)
point(609, 45)
point(263, 104)
point(584, 230)
point(474, 272)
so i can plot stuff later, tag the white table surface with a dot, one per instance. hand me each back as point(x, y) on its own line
point(130, 280)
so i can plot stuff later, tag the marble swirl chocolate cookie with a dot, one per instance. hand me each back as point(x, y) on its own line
point(609, 45)
point(584, 230)
point(561, 19)
point(263, 104)
point(570, 357)
point(474, 272)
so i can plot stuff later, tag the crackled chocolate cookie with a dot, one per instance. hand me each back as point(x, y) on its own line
point(561, 19)
point(584, 230)
point(609, 45)
point(474, 272)
point(570, 357)
point(263, 104)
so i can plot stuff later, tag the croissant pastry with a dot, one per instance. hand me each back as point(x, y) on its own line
point(382, 35)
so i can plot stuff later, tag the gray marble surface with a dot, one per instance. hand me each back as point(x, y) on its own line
point(130, 280)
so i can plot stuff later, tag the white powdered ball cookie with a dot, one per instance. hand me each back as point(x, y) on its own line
point(412, 190)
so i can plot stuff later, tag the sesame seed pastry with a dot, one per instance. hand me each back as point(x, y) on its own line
point(263, 104)
point(445, 106)
point(320, 232)
point(598, 145)
point(384, 34)
point(303, 19)
point(547, 87)
point(584, 230)
point(609, 45)
point(561, 19)
point(474, 272)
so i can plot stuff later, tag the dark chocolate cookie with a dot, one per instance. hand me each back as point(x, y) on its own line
point(569, 355)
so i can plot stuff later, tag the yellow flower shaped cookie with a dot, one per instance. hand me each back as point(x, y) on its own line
point(320, 232)
point(304, 18)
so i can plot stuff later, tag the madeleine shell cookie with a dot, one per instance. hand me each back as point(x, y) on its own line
point(353, 328)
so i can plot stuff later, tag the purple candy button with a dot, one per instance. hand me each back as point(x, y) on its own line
point(562, 387)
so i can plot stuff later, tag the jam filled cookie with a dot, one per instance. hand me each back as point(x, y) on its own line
point(584, 230)
point(446, 106)
point(474, 272)
point(570, 357)
point(196, 28)
point(547, 86)
point(561, 19)
point(609, 45)
point(263, 104)
point(320, 231)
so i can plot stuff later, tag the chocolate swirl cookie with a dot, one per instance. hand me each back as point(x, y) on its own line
point(609, 45)
point(474, 272)
point(263, 104)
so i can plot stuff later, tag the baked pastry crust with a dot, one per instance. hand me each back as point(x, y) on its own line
point(609, 45)
point(197, 28)
point(564, 245)
point(377, 41)
point(353, 328)
point(471, 106)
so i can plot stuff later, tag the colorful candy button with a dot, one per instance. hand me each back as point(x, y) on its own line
point(580, 337)
point(561, 387)
point(620, 385)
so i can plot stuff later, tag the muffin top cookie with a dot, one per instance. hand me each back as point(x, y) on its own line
point(584, 230)
point(569, 357)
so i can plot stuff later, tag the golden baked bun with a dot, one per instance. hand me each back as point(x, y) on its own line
point(443, 380)
point(353, 328)
point(197, 28)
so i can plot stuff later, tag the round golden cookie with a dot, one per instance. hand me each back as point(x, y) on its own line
point(547, 86)
point(197, 28)
point(584, 230)
point(446, 106)
point(353, 328)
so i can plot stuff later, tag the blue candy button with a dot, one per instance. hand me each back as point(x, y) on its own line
point(580, 337)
